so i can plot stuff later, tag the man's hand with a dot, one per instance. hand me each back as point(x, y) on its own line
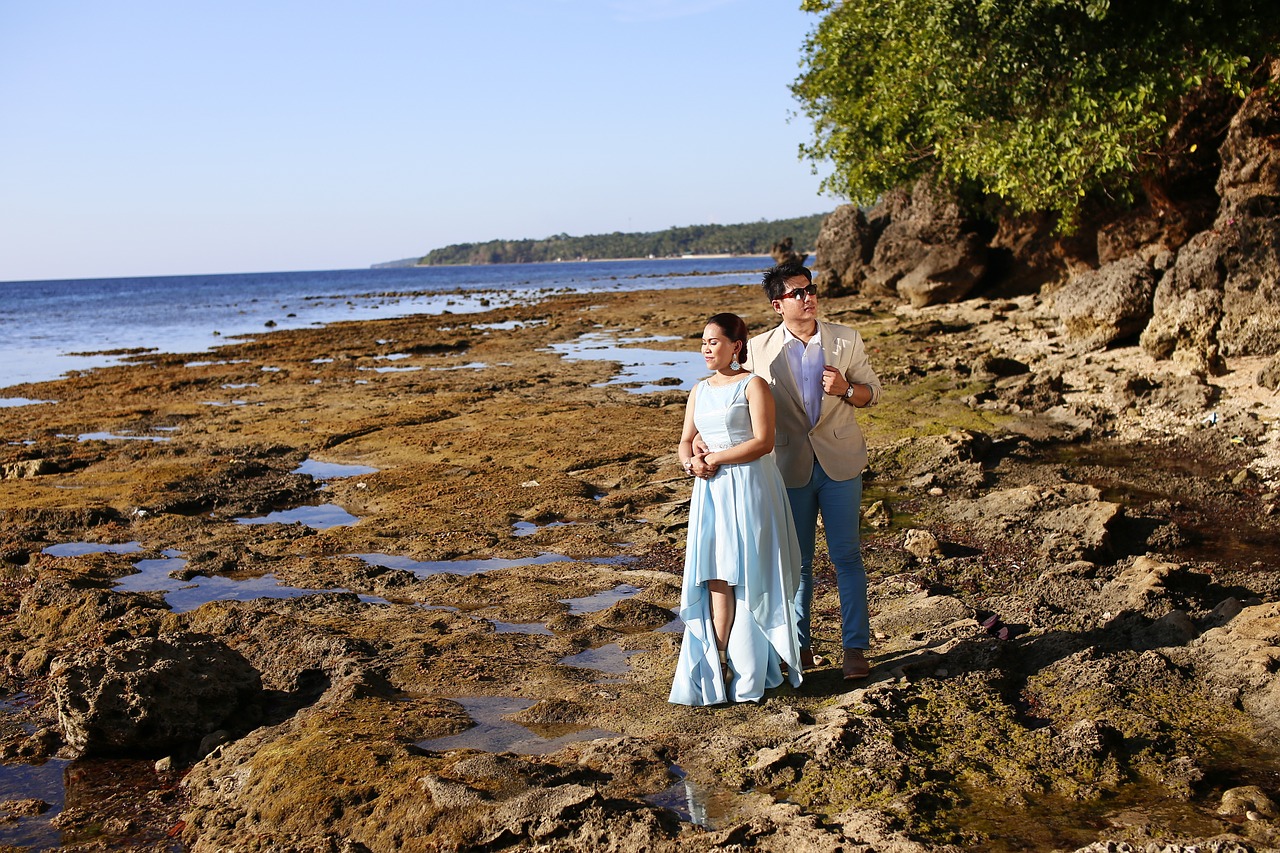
point(833, 382)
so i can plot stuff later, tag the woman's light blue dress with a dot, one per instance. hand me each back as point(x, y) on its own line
point(740, 531)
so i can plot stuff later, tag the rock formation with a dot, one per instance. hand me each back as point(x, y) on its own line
point(153, 695)
point(1192, 297)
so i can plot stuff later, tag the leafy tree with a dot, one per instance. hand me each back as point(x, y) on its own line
point(1040, 103)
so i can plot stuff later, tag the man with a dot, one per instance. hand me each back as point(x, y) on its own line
point(819, 373)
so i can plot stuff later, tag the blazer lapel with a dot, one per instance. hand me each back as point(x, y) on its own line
point(832, 349)
point(780, 368)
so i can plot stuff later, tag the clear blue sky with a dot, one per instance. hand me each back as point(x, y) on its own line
point(158, 137)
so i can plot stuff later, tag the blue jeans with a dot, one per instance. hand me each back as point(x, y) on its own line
point(840, 502)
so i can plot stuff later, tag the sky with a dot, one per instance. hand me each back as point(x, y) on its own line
point(174, 137)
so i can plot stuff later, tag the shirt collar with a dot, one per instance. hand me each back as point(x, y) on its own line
point(788, 337)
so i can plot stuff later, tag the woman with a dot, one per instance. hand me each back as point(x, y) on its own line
point(742, 562)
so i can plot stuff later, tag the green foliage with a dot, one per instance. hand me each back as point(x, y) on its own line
point(751, 238)
point(1040, 103)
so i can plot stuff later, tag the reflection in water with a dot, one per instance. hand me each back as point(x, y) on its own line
point(318, 470)
point(528, 528)
point(601, 600)
point(695, 803)
point(77, 549)
point(182, 596)
point(42, 782)
point(111, 436)
point(185, 595)
point(456, 567)
point(317, 517)
point(610, 658)
point(644, 369)
point(472, 365)
point(10, 402)
point(492, 733)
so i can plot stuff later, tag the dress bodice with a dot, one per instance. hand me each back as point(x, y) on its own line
point(722, 415)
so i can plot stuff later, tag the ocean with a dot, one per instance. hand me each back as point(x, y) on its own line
point(48, 328)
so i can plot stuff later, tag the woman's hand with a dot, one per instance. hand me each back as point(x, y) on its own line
point(700, 467)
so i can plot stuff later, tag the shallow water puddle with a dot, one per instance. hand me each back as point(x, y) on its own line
point(695, 803)
point(216, 363)
point(528, 528)
point(11, 402)
point(44, 782)
point(113, 436)
point(601, 600)
point(507, 325)
point(317, 470)
point(424, 569)
point(185, 595)
point(78, 549)
point(318, 517)
point(644, 370)
point(471, 365)
point(493, 733)
point(182, 596)
point(611, 659)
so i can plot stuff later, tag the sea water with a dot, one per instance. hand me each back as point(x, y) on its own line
point(48, 328)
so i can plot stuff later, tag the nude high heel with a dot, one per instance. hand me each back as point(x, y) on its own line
point(725, 672)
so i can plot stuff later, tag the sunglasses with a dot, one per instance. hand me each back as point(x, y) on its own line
point(800, 293)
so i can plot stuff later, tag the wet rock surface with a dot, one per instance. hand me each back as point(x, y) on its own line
point(1074, 578)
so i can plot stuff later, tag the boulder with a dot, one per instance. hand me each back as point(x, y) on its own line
point(1187, 307)
point(1139, 585)
point(1269, 375)
point(1242, 655)
point(1187, 396)
point(1110, 304)
point(783, 252)
point(26, 469)
point(846, 243)
point(1067, 523)
point(953, 460)
point(1222, 297)
point(1239, 802)
point(946, 272)
point(1026, 254)
point(923, 544)
point(153, 696)
point(930, 252)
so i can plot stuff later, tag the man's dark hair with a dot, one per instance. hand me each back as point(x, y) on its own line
point(775, 279)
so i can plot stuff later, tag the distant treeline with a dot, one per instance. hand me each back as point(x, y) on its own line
point(749, 238)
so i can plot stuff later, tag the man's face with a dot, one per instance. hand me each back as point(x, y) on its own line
point(790, 307)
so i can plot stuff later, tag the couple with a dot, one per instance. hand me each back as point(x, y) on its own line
point(748, 576)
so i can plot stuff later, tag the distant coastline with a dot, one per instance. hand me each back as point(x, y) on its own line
point(748, 239)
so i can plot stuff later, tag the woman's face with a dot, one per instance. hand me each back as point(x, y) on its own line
point(718, 350)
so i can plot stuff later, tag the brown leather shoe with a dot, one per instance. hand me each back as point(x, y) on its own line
point(855, 665)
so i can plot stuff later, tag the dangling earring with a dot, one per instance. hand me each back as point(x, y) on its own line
point(733, 365)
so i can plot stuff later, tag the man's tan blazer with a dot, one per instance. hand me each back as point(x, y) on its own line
point(836, 440)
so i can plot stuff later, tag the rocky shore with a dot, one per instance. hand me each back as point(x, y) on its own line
point(1073, 557)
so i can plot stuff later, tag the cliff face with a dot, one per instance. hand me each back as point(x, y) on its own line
point(1193, 273)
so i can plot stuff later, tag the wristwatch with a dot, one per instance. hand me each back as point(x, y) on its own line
point(848, 395)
